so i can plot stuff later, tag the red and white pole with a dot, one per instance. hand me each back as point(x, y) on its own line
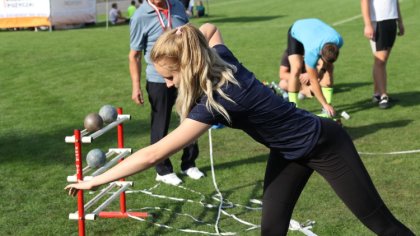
point(120, 132)
point(79, 174)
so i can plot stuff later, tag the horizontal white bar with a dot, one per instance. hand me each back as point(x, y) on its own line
point(73, 178)
point(120, 119)
point(75, 216)
point(124, 183)
point(120, 150)
point(90, 138)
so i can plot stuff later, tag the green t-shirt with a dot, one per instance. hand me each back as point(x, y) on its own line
point(130, 11)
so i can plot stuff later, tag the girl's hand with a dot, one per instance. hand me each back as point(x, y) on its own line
point(81, 185)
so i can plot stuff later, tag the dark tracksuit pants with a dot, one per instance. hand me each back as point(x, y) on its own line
point(335, 158)
point(162, 99)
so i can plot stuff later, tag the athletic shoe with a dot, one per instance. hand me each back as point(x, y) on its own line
point(286, 96)
point(384, 102)
point(193, 173)
point(376, 98)
point(301, 96)
point(171, 179)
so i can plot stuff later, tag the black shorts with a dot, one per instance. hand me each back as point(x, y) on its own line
point(284, 61)
point(294, 46)
point(385, 34)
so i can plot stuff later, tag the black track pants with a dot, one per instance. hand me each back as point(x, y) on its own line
point(336, 159)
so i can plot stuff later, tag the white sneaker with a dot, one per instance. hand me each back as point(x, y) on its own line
point(171, 179)
point(193, 173)
point(301, 96)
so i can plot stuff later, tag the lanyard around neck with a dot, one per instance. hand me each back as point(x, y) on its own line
point(169, 25)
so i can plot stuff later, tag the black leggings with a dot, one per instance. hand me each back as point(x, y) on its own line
point(335, 158)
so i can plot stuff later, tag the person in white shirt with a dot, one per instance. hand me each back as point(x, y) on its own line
point(115, 16)
point(382, 18)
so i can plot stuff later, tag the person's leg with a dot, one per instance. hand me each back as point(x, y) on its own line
point(326, 82)
point(296, 64)
point(161, 101)
point(379, 71)
point(284, 85)
point(189, 155)
point(385, 35)
point(295, 53)
point(336, 159)
point(283, 183)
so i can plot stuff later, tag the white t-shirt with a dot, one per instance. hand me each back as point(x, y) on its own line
point(113, 15)
point(383, 10)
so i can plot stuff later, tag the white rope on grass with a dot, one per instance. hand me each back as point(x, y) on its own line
point(304, 227)
point(223, 204)
point(182, 230)
point(216, 225)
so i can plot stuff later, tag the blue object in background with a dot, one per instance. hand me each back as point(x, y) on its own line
point(218, 126)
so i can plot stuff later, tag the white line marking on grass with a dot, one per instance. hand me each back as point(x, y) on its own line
point(347, 20)
point(390, 153)
point(350, 19)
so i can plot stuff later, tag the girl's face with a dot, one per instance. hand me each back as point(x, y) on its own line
point(171, 77)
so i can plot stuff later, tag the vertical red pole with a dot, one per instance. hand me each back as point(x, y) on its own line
point(79, 174)
point(120, 131)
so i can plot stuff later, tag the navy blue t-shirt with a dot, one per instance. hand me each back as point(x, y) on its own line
point(264, 116)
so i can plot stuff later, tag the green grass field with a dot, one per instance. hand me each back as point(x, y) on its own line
point(50, 81)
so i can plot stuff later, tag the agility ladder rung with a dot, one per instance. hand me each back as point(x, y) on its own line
point(89, 138)
point(124, 185)
point(123, 152)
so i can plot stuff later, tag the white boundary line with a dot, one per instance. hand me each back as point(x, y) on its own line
point(350, 19)
point(347, 20)
point(390, 153)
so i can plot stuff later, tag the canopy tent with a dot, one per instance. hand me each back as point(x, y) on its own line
point(34, 13)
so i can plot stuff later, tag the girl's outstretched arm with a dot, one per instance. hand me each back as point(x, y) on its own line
point(187, 132)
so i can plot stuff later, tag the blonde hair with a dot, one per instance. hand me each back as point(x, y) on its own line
point(201, 70)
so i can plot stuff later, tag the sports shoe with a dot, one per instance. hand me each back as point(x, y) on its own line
point(301, 96)
point(384, 102)
point(286, 96)
point(171, 179)
point(376, 98)
point(193, 173)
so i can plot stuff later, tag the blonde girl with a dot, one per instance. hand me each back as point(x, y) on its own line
point(216, 88)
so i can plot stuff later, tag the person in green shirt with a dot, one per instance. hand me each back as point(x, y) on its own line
point(131, 9)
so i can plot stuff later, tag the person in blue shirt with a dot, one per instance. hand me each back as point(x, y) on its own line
point(325, 77)
point(308, 41)
point(219, 89)
point(148, 23)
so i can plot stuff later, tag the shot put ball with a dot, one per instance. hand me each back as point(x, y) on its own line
point(93, 122)
point(96, 158)
point(108, 113)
